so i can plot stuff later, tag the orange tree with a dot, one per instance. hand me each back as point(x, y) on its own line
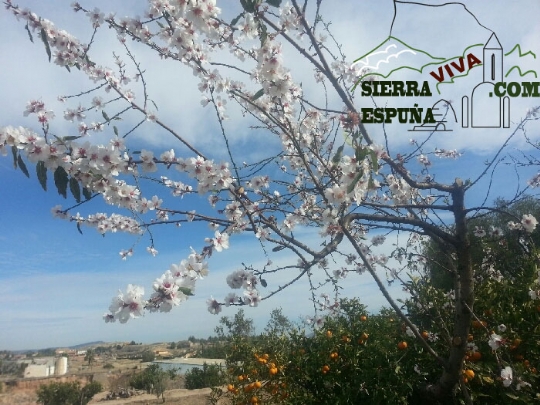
point(351, 356)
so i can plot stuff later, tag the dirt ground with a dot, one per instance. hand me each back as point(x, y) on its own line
point(172, 397)
point(116, 377)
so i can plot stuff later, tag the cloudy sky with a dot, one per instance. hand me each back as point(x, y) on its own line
point(55, 284)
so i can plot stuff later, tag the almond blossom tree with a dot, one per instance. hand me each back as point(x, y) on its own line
point(323, 169)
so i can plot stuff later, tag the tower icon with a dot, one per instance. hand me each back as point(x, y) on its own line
point(486, 110)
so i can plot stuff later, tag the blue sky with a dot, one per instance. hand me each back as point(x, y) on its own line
point(55, 283)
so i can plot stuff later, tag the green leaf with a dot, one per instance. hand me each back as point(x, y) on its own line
point(29, 33)
point(358, 176)
point(15, 153)
point(61, 181)
point(87, 194)
point(337, 157)
point(41, 172)
point(43, 35)
point(374, 161)
point(75, 189)
point(248, 5)
point(67, 68)
point(360, 153)
point(275, 3)
point(79, 227)
point(263, 282)
point(257, 95)
point(263, 33)
point(515, 397)
point(186, 291)
point(237, 18)
point(70, 138)
point(115, 130)
point(488, 380)
point(278, 248)
point(22, 166)
point(105, 116)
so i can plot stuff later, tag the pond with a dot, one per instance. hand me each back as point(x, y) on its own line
point(183, 365)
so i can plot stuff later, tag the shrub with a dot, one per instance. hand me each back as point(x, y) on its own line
point(153, 380)
point(68, 393)
point(209, 376)
point(148, 356)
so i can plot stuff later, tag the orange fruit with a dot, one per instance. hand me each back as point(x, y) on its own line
point(425, 335)
point(402, 345)
point(363, 318)
point(273, 370)
point(469, 374)
point(475, 356)
point(257, 384)
point(329, 334)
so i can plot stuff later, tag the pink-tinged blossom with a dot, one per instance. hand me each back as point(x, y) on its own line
point(529, 223)
point(231, 299)
point(479, 232)
point(520, 384)
point(507, 376)
point(221, 241)
point(152, 251)
point(128, 305)
point(109, 318)
point(378, 240)
point(214, 307)
point(252, 297)
point(495, 341)
point(535, 181)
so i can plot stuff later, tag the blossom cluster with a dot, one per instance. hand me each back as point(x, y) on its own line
point(170, 290)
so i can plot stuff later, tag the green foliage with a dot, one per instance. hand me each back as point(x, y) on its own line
point(209, 376)
point(90, 357)
point(211, 351)
point(108, 366)
point(148, 356)
point(153, 380)
point(238, 326)
point(8, 367)
point(278, 324)
point(355, 357)
point(69, 393)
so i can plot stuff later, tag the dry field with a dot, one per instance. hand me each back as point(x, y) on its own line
point(113, 378)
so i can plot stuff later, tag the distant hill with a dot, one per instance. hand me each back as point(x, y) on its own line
point(83, 345)
point(75, 347)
